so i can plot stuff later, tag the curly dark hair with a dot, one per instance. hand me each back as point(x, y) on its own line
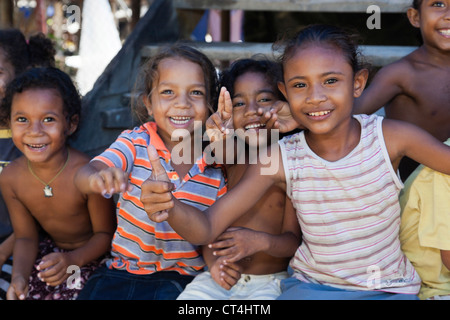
point(39, 51)
point(43, 78)
point(259, 64)
point(149, 74)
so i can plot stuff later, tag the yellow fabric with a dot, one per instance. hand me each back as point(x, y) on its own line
point(425, 228)
point(5, 133)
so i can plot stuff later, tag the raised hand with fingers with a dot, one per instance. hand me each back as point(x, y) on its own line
point(279, 117)
point(220, 123)
point(156, 193)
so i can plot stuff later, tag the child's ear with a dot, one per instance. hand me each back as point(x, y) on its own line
point(148, 104)
point(360, 82)
point(282, 88)
point(73, 125)
point(413, 17)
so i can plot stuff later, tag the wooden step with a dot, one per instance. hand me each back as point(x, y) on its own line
point(228, 51)
point(386, 6)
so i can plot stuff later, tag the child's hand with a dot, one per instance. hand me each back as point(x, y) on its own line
point(109, 181)
point(279, 117)
point(221, 122)
point(235, 244)
point(18, 289)
point(53, 268)
point(225, 275)
point(156, 190)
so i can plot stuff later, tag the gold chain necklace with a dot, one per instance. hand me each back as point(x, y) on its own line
point(48, 191)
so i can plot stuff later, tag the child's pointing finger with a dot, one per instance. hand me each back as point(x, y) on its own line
point(158, 172)
point(154, 195)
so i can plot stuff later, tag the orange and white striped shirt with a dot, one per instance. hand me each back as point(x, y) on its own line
point(349, 214)
point(141, 246)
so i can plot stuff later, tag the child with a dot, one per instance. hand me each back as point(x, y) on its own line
point(16, 54)
point(249, 259)
point(424, 230)
point(415, 88)
point(43, 107)
point(150, 261)
point(339, 173)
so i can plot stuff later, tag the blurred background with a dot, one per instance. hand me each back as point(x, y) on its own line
point(100, 27)
point(102, 43)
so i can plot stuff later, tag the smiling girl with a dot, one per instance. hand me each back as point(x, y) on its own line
point(151, 261)
point(55, 225)
point(339, 173)
point(16, 55)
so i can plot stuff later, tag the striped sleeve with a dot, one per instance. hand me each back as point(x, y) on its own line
point(122, 152)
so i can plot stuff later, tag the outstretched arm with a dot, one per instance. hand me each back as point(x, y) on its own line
point(405, 139)
point(237, 243)
point(384, 87)
point(97, 177)
point(199, 227)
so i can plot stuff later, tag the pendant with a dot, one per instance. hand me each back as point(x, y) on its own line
point(48, 191)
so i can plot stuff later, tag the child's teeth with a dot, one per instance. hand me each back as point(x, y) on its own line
point(320, 113)
point(36, 146)
point(255, 125)
point(180, 120)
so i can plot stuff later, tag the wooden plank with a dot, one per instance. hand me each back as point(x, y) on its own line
point(296, 5)
point(228, 51)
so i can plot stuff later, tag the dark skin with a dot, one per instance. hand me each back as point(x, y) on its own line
point(73, 220)
point(7, 73)
point(244, 247)
point(329, 84)
point(81, 223)
point(273, 215)
point(416, 89)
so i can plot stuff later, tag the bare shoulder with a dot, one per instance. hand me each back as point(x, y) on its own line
point(398, 71)
point(12, 171)
point(79, 158)
point(393, 129)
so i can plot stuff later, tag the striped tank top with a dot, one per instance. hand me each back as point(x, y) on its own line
point(349, 214)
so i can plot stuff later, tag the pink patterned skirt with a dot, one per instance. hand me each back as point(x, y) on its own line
point(69, 289)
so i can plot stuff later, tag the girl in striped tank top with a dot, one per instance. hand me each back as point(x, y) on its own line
point(340, 173)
